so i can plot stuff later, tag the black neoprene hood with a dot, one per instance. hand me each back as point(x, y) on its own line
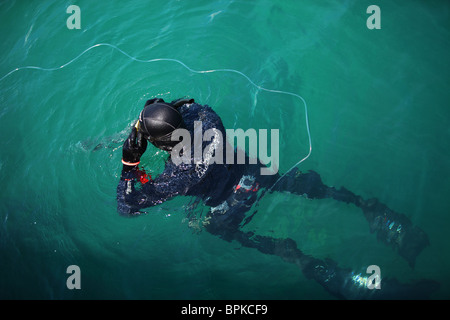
point(159, 120)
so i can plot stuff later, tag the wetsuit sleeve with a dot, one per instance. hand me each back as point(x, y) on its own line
point(127, 192)
point(133, 195)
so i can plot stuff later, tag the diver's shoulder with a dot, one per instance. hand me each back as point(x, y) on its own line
point(195, 107)
point(199, 112)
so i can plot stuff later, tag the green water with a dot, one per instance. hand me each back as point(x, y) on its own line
point(379, 114)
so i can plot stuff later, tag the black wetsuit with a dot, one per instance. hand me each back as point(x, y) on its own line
point(232, 189)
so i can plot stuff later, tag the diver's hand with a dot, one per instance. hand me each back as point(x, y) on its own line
point(133, 148)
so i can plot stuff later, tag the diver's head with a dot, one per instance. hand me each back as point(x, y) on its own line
point(157, 122)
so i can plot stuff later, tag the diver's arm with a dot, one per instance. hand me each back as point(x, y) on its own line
point(135, 193)
point(133, 148)
point(126, 192)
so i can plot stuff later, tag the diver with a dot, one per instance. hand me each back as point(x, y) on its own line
point(230, 190)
